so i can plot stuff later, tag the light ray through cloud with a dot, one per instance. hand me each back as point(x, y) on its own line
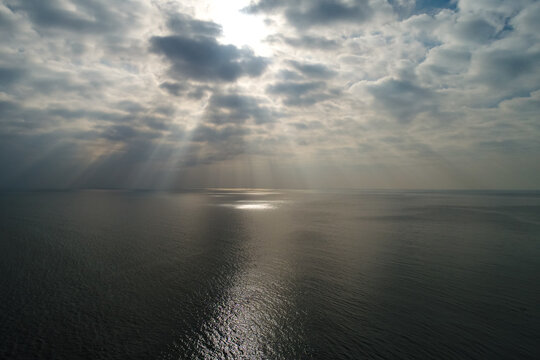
point(174, 94)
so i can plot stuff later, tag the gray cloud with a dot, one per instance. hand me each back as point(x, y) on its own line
point(303, 93)
point(305, 14)
point(9, 76)
point(173, 88)
point(403, 99)
point(126, 133)
point(212, 134)
point(295, 88)
point(194, 53)
point(318, 71)
point(475, 31)
point(211, 143)
point(503, 68)
point(306, 42)
point(83, 17)
point(136, 93)
point(235, 108)
point(204, 59)
point(408, 8)
point(182, 24)
point(192, 91)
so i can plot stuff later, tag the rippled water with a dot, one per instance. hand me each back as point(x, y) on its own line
point(223, 274)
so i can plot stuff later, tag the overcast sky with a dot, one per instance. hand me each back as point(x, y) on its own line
point(270, 93)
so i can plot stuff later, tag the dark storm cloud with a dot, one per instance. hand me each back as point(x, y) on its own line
point(305, 14)
point(204, 59)
point(236, 108)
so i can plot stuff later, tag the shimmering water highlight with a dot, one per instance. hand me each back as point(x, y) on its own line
point(238, 274)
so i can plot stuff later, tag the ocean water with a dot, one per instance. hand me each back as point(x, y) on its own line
point(237, 274)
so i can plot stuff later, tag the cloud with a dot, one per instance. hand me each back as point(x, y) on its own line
point(318, 71)
point(138, 93)
point(319, 43)
point(306, 14)
point(402, 99)
point(81, 17)
point(211, 143)
point(474, 30)
point(9, 76)
point(213, 134)
point(502, 68)
point(301, 93)
point(236, 108)
point(408, 8)
point(183, 24)
point(204, 59)
point(192, 91)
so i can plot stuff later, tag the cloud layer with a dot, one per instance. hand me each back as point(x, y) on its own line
point(347, 93)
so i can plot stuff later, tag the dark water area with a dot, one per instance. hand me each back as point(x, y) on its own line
point(232, 274)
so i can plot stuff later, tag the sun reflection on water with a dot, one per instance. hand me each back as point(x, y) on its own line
point(254, 205)
point(246, 201)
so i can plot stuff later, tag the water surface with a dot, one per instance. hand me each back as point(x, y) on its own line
point(237, 274)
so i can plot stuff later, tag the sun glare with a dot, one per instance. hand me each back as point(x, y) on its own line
point(240, 29)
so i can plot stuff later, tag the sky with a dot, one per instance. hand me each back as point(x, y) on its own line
point(367, 94)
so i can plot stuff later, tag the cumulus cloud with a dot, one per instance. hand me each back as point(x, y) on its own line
point(194, 52)
point(146, 94)
point(310, 42)
point(299, 93)
point(402, 99)
point(204, 59)
point(79, 16)
point(317, 71)
point(236, 108)
point(305, 14)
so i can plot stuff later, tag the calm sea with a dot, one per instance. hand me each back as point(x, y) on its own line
point(234, 274)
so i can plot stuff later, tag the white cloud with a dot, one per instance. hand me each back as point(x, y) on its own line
point(133, 88)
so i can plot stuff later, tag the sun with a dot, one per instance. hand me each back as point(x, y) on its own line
point(240, 29)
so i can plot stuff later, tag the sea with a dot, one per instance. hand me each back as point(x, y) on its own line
point(269, 274)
